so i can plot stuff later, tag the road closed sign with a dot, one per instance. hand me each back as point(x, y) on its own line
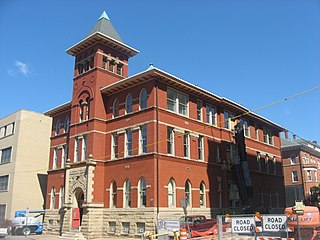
point(243, 225)
point(274, 223)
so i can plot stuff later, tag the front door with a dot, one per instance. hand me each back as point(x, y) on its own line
point(75, 217)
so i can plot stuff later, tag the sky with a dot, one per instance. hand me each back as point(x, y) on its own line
point(251, 52)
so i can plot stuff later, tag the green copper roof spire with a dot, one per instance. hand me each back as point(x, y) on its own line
point(104, 15)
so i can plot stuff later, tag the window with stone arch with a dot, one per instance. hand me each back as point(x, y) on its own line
point(202, 194)
point(129, 103)
point(113, 194)
point(171, 193)
point(127, 193)
point(115, 108)
point(52, 198)
point(142, 201)
point(187, 192)
point(143, 99)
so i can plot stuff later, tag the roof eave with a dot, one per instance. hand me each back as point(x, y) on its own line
point(93, 38)
point(61, 108)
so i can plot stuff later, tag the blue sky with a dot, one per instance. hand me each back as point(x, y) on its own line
point(252, 52)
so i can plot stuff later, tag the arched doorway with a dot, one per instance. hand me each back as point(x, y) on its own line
point(77, 208)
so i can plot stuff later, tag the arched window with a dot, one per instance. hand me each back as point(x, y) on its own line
point(53, 198)
point(66, 124)
point(171, 193)
point(202, 195)
point(143, 99)
point(61, 197)
point(55, 158)
point(187, 191)
point(84, 109)
point(127, 193)
point(58, 127)
point(142, 192)
point(113, 195)
point(115, 108)
point(129, 103)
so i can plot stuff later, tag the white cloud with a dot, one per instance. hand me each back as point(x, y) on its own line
point(19, 68)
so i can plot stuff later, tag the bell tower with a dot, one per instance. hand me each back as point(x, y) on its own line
point(101, 59)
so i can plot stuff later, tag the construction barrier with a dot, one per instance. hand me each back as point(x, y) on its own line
point(183, 234)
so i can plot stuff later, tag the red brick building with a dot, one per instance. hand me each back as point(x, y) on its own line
point(301, 164)
point(128, 150)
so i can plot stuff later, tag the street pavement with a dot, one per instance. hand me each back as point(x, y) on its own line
point(55, 237)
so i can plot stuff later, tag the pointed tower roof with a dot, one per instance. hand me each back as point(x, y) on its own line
point(105, 27)
point(105, 33)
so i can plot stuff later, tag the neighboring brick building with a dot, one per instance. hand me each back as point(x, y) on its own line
point(301, 164)
point(139, 145)
point(24, 152)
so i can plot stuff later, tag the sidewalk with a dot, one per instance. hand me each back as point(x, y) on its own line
point(56, 237)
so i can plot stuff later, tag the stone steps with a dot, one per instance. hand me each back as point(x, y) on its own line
point(72, 235)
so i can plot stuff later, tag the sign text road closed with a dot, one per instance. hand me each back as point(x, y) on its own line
point(274, 223)
point(243, 225)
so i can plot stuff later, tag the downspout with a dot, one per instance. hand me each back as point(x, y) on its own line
point(157, 146)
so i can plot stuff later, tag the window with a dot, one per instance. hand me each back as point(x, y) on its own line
point(177, 102)
point(170, 142)
point(119, 68)
point(111, 66)
point(6, 155)
point(61, 197)
point(295, 176)
point(232, 152)
point(115, 151)
point(84, 110)
point(129, 104)
point(143, 139)
point(2, 212)
point(115, 108)
point(58, 127)
point(55, 158)
point(293, 159)
point(267, 136)
point(64, 155)
point(66, 124)
point(200, 147)
point(142, 193)
point(76, 149)
point(171, 194)
point(143, 99)
point(9, 129)
point(234, 199)
point(229, 120)
point(187, 192)
point(245, 125)
point(309, 176)
point(129, 142)
point(186, 144)
point(52, 198)
point(127, 193)
point(2, 132)
point(259, 162)
point(4, 182)
point(112, 227)
point(113, 195)
point(210, 115)
point(202, 195)
point(256, 130)
point(125, 228)
point(84, 148)
point(199, 110)
point(274, 166)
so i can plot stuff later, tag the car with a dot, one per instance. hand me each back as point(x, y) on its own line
point(197, 223)
point(3, 232)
